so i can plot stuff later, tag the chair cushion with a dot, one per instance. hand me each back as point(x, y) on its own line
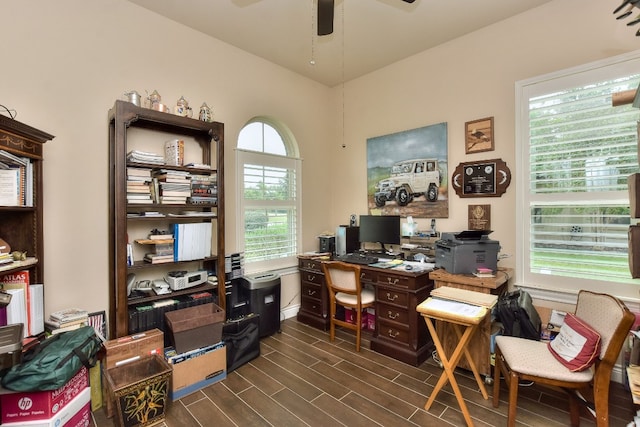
point(577, 345)
point(534, 358)
point(368, 297)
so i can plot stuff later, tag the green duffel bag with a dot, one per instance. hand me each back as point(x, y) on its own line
point(51, 364)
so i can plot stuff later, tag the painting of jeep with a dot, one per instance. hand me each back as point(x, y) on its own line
point(407, 173)
point(409, 179)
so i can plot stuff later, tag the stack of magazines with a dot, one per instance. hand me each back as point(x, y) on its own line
point(137, 156)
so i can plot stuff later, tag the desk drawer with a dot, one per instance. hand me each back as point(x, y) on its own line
point(389, 331)
point(389, 312)
point(311, 290)
point(311, 277)
point(312, 305)
point(391, 296)
point(395, 280)
point(310, 264)
point(368, 276)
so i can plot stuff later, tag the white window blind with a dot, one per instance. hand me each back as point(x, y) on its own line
point(270, 200)
point(576, 153)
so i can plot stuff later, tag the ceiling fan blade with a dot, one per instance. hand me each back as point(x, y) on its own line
point(408, 1)
point(325, 17)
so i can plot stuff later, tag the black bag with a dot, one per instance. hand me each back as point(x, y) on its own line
point(51, 364)
point(518, 316)
point(242, 339)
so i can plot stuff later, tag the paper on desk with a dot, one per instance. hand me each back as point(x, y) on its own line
point(454, 307)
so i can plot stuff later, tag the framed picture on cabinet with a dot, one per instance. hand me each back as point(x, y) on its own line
point(478, 136)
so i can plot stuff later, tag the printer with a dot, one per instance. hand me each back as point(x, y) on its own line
point(466, 251)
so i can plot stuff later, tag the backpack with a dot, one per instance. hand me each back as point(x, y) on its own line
point(52, 363)
point(518, 316)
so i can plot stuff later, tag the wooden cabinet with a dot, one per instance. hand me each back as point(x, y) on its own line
point(400, 330)
point(480, 344)
point(314, 296)
point(21, 226)
point(132, 127)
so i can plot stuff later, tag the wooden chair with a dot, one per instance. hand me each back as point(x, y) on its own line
point(345, 289)
point(520, 359)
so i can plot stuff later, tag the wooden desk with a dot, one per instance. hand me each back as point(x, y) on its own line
point(480, 345)
point(400, 332)
point(464, 327)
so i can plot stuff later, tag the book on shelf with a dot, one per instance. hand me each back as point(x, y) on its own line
point(174, 152)
point(139, 172)
point(197, 200)
point(20, 280)
point(10, 187)
point(36, 309)
point(158, 259)
point(69, 314)
point(192, 241)
point(137, 156)
point(161, 236)
point(16, 310)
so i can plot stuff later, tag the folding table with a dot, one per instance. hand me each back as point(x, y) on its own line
point(464, 319)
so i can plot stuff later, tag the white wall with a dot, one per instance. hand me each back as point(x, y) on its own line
point(65, 62)
point(467, 79)
point(64, 65)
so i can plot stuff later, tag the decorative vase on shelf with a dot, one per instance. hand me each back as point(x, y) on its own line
point(206, 115)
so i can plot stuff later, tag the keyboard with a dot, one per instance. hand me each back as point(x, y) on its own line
point(354, 258)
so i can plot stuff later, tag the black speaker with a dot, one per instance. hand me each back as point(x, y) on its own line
point(327, 244)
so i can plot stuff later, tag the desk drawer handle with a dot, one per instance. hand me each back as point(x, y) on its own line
point(392, 297)
point(393, 316)
point(311, 278)
point(392, 281)
point(393, 334)
point(309, 265)
point(311, 292)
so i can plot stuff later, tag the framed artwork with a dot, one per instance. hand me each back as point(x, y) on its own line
point(479, 217)
point(482, 178)
point(407, 173)
point(478, 136)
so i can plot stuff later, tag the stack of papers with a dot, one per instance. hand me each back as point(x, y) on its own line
point(454, 307)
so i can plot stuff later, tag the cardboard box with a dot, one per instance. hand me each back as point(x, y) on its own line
point(77, 413)
point(127, 349)
point(350, 317)
point(20, 407)
point(197, 369)
point(195, 327)
point(140, 390)
point(133, 347)
point(371, 319)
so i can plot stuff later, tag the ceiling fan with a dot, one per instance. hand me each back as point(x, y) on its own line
point(325, 16)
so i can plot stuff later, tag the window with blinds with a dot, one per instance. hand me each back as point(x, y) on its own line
point(269, 204)
point(577, 153)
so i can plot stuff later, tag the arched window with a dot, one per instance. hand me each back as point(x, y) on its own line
point(268, 167)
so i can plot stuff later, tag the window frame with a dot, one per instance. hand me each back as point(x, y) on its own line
point(542, 285)
point(290, 161)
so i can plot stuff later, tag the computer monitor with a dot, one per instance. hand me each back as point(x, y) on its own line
point(380, 229)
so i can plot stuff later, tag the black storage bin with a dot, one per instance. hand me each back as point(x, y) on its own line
point(242, 340)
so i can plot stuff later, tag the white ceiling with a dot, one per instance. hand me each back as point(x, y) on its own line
point(375, 33)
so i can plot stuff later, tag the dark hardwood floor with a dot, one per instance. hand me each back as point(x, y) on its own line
point(302, 379)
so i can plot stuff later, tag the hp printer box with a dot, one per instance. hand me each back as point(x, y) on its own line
point(465, 252)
